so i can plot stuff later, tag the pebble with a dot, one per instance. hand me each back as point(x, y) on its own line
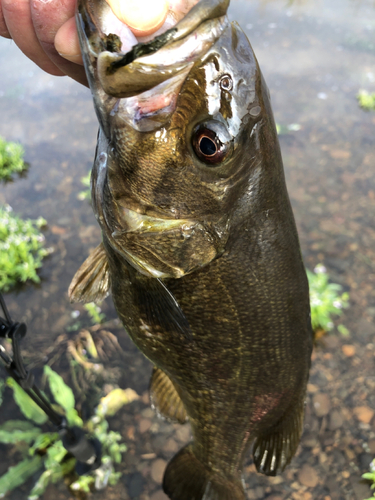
point(157, 470)
point(308, 476)
point(371, 445)
point(183, 434)
point(322, 404)
point(348, 350)
point(335, 420)
point(171, 446)
point(364, 414)
point(144, 425)
point(159, 495)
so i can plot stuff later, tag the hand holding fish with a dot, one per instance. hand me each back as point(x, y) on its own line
point(46, 32)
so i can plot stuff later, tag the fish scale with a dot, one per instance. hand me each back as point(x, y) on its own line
point(200, 249)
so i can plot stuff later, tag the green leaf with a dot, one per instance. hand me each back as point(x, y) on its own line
point(73, 418)
point(369, 475)
point(15, 431)
point(43, 441)
point(18, 474)
point(62, 393)
point(30, 409)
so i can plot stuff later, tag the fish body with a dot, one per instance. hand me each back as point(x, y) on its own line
point(200, 247)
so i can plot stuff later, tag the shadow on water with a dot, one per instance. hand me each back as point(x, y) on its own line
point(315, 57)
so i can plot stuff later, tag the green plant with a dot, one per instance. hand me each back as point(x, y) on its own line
point(45, 449)
point(371, 477)
point(21, 248)
point(86, 193)
point(325, 300)
point(11, 159)
point(94, 312)
point(366, 100)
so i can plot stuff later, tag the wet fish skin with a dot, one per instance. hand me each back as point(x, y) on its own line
point(216, 296)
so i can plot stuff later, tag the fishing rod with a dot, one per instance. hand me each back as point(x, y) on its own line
point(86, 450)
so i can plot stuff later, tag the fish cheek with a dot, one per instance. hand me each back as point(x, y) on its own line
point(177, 252)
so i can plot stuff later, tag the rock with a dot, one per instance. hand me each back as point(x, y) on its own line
point(371, 445)
point(171, 446)
point(144, 425)
point(157, 470)
point(135, 484)
point(364, 460)
point(159, 495)
point(183, 433)
point(322, 404)
point(348, 350)
point(308, 476)
point(364, 414)
point(335, 420)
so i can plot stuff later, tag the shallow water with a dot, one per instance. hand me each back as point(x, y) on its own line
point(315, 56)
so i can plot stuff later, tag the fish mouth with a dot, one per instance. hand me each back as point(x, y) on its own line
point(123, 70)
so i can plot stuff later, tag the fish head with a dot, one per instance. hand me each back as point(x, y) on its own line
point(177, 144)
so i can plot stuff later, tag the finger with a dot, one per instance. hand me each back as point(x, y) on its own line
point(67, 42)
point(4, 32)
point(143, 17)
point(47, 20)
point(18, 20)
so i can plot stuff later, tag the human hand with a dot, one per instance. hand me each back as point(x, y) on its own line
point(33, 25)
point(46, 33)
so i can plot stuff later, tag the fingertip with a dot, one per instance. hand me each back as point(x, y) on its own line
point(67, 43)
point(144, 17)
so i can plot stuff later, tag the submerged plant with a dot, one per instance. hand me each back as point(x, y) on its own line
point(86, 193)
point(371, 477)
point(325, 301)
point(11, 159)
point(46, 450)
point(21, 248)
point(366, 100)
point(95, 313)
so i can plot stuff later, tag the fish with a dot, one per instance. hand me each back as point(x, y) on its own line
point(199, 247)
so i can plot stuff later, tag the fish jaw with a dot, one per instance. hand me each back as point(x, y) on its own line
point(116, 76)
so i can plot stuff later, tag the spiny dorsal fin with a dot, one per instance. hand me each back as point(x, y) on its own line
point(273, 451)
point(91, 282)
point(165, 398)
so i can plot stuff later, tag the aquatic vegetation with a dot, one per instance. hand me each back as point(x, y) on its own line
point(285, 129)
point(46, 450)
point(11, 159)
point(371, 477)
point(325, 301)
point(21, 248)
point(86, 193)
point(94, 313)
point(366, 100)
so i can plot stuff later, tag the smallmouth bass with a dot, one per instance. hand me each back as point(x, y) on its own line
point(200, 248)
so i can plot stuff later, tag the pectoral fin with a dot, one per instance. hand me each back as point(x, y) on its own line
point(91, 281)
point(273, 451)
point(160, 309)
point(165, 398)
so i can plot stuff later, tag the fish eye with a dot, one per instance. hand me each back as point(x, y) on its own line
point(226, 83)
point(211, 142)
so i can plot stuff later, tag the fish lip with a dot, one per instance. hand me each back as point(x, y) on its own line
point(103, 57)
point(87, 13)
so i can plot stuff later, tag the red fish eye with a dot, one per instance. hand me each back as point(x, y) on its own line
point(208, 146)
